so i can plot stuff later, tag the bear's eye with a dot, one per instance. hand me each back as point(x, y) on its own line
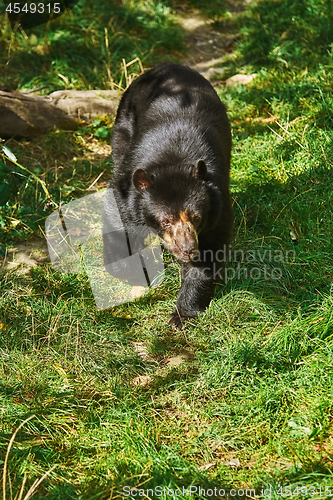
point(196, 218)
point(165, 222)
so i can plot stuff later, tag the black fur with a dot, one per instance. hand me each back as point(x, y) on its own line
point(171, 150)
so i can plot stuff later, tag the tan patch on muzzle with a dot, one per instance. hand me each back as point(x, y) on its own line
point(183, 217)
point(182, 239)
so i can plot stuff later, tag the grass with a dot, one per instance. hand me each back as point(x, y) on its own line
point(252, 406)
point(99, 38)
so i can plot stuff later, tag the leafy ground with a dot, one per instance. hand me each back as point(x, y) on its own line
point(108, 404)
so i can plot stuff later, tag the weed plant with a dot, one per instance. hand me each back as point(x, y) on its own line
point(252, 406)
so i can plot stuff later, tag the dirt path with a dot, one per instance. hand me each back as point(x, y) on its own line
point(207, 45)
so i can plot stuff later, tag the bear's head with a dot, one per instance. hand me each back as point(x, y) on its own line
point(175, 204)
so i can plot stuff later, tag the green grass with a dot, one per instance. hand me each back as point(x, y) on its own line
point(85, 49)
point(258, 383)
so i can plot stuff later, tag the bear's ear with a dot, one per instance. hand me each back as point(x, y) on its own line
point(200, 170)
point(141, 179)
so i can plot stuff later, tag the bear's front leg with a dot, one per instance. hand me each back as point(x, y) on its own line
point(195, 294)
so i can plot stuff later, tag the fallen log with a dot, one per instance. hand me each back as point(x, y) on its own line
point(22, 115)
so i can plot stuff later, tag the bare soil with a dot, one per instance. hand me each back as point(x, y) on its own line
point(208, 44)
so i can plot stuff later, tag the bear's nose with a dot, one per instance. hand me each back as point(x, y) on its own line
point(190, 252)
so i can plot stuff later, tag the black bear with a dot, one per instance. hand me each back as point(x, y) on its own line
point(171, 150)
